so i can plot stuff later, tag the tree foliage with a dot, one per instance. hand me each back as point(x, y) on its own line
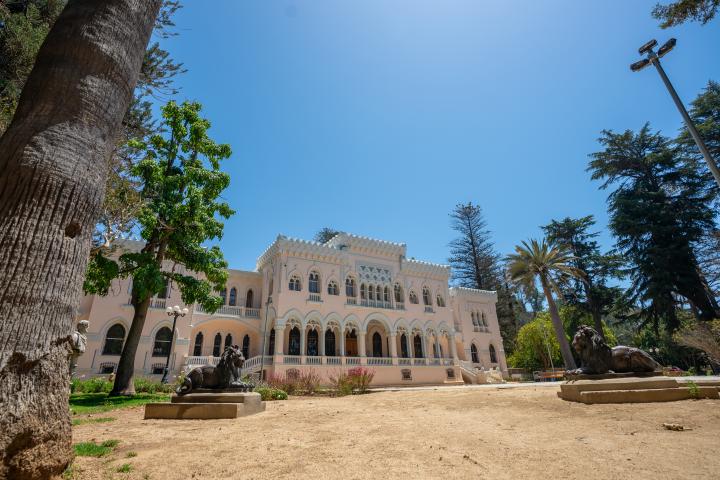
point(325, 234)
point(659, 210)
point(181, 184)
point(681, 11)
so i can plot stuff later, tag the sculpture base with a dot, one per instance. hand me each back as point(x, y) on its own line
point(635, 390)
point(604, 376)
point(206, 405)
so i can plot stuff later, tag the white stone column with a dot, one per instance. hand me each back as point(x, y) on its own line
point(437, 347)
point(303, 347)
point(410, 339)
point(361, 344)
point(342, 344)
point(393, 348)
point(321, 342)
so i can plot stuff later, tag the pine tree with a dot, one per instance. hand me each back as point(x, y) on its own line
point(325, 234)
point(680, 11)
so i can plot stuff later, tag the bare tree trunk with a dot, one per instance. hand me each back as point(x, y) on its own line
point(558, 327)
point(53, 165)
point(124, 384)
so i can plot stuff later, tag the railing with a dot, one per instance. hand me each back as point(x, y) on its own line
point(292, 359)
point(351, 301)
point(313, 361)
point(352, 360)
point(199, 361)
point(231, 311)
point(481, 329)
point(447, 361)
point(333, 360)
point(252, 312)
point(375, 304)
point(404, 361)
point(314, 297)
point(429, 309)
point(379, 361)
point(418, 361)
point(158, 303)
point(399, 305)
point(434, 361)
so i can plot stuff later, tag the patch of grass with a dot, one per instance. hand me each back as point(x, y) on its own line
point(82, 403)
point(131, 454)
point(92, 449)
point(81, 421)
point(69, 473)
point(124, 468)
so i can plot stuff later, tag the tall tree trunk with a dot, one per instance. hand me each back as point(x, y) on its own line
point(53, 166)
point(558, 327)
point(124, 384)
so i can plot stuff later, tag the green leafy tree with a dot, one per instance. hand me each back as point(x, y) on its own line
point(659, 210)
point(680, 11)
point(325, 234)
point(590, 292)
point(551, 265)
point(181, 185)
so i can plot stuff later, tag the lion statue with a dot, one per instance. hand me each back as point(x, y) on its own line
point(225, 375)
point(597, 358)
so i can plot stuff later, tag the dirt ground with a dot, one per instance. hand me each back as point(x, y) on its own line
point(459, 433)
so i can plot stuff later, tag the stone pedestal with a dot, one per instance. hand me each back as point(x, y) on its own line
point(206, 404)
point(634, 390)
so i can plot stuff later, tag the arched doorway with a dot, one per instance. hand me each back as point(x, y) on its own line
point(249, 299)
point(246, 346)
point(377, 345)
point(351, 347)
point(330, 343)
point(271, 343)
point(197, 350)
point(217, 344)
point(228, 340)
point(294, 341)
point(403, 346)
point(474, 353)
point(312, 343)
point(493, 355)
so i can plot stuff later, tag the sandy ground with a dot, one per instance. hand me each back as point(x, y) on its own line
point(459, 433)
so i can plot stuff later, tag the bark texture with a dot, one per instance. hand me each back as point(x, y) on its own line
point(53, 165)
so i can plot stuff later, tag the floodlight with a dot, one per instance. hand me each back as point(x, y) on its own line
point(639, 65)
point(647, 47)
point(669, 45)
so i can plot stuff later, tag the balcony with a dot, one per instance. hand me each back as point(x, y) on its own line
point(158, 303)
point(351, 301)
point(375, 304)
point(399, 306)
point(429, 309)
point(314, 297)
point(230, 311)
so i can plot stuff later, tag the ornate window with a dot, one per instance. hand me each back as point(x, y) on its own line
point(223, 295)
point(474, 353)
point(427, 300)
point(294, 341)
point(249, 300)
point(114, 339)
point(398, 293)
point(350, 287)
point(329, 343)
point(197, 349)
point(246, 346)
point(417, 343)
point(314, 282)
point(271, 343)
point(440, 301)
point(165, 292)
point(233, 297)
point(163, 340)
point(333, 288)
point(363, 292)
point(371, 292)
point(404, 346)
point(377, 345)
point(493, 355)
point(378, 293)
point(312, 343)
point(386, 294)
point(295, 284)
point(413, 297)
point(217, 344)
point(228, 340)
point(484, 320)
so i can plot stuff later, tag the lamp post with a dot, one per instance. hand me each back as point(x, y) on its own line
point(262, 353)
point(654, 58)
point(174, 312)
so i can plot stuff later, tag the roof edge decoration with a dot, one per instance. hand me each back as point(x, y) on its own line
point(472, 292)
point(418, 266)
point(344, 239)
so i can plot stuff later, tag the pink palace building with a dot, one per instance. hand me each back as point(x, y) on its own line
point(353, 301)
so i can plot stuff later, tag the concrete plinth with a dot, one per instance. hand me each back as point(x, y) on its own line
point(633, 390)
point(206, 405)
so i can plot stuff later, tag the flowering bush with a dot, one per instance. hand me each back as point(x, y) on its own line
point(295, 382)
point(355, 380)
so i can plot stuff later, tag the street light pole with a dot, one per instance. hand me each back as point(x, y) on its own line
point(262, 353)
point(654, 58)
point(174, 312)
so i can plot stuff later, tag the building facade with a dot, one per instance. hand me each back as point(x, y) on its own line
point(353, 301)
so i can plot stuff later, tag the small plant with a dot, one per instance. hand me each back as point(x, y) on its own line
point(361, 378)
point(287, 383)
point(268, 393)
point(131, 454)
point(694, 390)
point(92, 449)
point(341, 383)
point(124, 468)
point(279, 395)
point(308, 382)
point(81, 421)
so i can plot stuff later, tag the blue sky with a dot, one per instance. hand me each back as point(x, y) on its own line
point(377, 116)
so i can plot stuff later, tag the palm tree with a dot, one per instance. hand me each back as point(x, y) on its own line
point(552, 265)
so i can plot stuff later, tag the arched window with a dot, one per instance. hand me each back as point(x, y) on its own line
point(474, 353)
point(350, 287)
point(493, 355)
point(473, 316)
point(312, 343)
point(270, 288)
point(427, 300)
point(371, 292)
point(294, 341)
point(417, 343)
point(217, 344)
point(403, 346)
point(163, 340)
point(249, 299)
point(363, 292)
point(484, 320)
point(398, 293)
point(440, 301)
point(165, 292)
point(314, 282)
point(233, 297)
point(386, 294)
point(333, 288)
point(329, 343)
point(271, 343)
point(377, 345)
point(114, 339)
point(228, 340)
point(413, 297)
point(378, 293)
point(295, 284)
point(223, 295)
point(197, 350)
point(246, 346)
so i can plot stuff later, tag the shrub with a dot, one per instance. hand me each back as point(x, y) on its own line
point(287, 383)
point(92, 385)
point(308, 382)
point(279, 395)
point(269, 393)
point(361, 378)
point(143, 385)
point(341, 383)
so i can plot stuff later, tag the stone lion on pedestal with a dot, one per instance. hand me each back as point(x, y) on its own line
point(597, 358)
point(226, 374)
